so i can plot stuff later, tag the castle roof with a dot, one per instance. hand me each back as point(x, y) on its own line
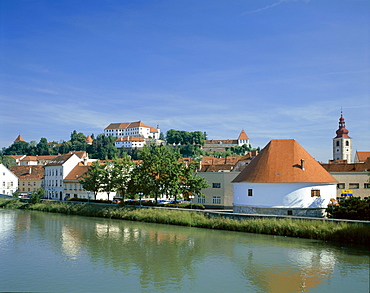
point(89, 139)
point(126, 125)
point(243, 135)
point(19, 138)
point(284, 161)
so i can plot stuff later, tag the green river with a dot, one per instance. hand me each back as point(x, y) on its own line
point(43, 252)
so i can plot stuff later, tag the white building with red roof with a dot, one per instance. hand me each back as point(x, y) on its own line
point(283, 179)
point(57, 170)
point(129, 142)
point(219, 145)
point(8, 181)
point(138, 129)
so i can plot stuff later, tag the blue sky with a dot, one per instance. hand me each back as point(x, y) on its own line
point(277, 69)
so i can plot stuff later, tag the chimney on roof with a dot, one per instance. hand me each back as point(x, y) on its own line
point(30, 171)
point(85, 161)
point(302, 164)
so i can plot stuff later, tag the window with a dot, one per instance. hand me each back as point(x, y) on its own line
point(290, 212)
point(315, 192)
point(201, 199)
point(354, 186)
point(216, 185)
point(337, 142)
point(341, 186)
point(250, 192)
point(366, 185)
point(347, 143)
point(216, 200)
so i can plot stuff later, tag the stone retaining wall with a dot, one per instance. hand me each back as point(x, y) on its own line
point(298, 212)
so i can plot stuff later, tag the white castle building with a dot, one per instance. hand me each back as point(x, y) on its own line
point(132, 134)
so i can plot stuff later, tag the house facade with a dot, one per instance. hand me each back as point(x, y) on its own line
point(353, 179)
point(283, 180)
point(57, 170)
point(219, 193)
point(30, 178)
point(8, 181)
point(74, 189)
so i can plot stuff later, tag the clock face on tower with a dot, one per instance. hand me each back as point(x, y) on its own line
point(337, 150)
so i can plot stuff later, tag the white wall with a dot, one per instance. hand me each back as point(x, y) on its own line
point(283, 194)
point(8, 181)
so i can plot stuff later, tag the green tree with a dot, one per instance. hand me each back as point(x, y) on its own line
point(121, 174)
point(18, 148)
point(37, 195)
point(42, 148)
point(162, 173)
point(198, 137)
point(192, 183)
point(106, 178)
point(7, 161)
point(91, 180)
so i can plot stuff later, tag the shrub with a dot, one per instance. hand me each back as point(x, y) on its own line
point(352, 208)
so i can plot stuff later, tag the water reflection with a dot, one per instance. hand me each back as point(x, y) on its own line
point(151, 257)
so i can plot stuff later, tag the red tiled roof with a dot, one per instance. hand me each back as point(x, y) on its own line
point(28, 171)
point(362, 156)
point(280, 162)
point(344, 167)
point(130, 138)
point(89, 139)
point(153, 130)
point(216, 168)
point(59, 160)
point(19, 138)
point(243, 135)
point(77, 172)
point(126, 125)
point(16, 156)
point(36, 158)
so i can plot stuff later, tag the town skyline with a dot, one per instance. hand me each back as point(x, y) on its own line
point(277, 69)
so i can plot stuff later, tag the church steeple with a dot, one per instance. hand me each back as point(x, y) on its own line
point(342, 131)
point(342, 143)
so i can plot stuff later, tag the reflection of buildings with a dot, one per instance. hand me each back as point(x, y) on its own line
point(290, 270)
point(71, 242)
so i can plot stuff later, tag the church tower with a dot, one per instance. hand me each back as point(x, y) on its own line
point(342, 143)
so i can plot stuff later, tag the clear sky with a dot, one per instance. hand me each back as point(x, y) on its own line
point(277, 69)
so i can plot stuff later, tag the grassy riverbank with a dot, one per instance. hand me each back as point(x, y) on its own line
point(321, 230)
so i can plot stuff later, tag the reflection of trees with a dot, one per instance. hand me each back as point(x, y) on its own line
point(161, 255)
point(164, 256)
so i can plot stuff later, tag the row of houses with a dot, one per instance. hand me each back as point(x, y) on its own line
point(60, 177)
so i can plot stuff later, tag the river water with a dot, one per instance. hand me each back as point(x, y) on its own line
point(43, 252)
